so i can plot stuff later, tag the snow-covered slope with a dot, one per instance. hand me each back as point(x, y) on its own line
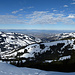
point(33, 49)
point(62, 48)
point(7, 69)
point(59, 36)
point(10, 41)
point(65, 35)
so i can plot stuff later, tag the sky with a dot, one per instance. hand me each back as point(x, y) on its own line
point(37, 14)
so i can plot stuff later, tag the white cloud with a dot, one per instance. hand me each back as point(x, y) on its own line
point(14, 12)
point(45, 17)
point(54, 10)
point(37, 14)
point(38, 17)
point(20, 9)
point(65, 5)
point(11, 19)
point(73, 3)
point(71, 16)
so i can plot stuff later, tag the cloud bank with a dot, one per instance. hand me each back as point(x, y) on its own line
point(38, 17)
point(10, 19)
point(44, 17)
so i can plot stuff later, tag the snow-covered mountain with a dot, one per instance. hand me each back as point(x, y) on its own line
point(10, 41)
point(60, 47)
point(64, 35)
point(35, 51)
point(59, 36)
point(30, 46)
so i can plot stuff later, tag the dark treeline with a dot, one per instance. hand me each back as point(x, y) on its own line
point(60, 66)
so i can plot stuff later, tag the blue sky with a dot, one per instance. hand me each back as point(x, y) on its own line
point(37, 14)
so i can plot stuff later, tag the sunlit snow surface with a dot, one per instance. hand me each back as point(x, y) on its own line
point(35, 48)
point(7, 69)
point(65, 57)
point(10, 41)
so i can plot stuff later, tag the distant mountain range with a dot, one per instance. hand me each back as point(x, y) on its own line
point(35, 31)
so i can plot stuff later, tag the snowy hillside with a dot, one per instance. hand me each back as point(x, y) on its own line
point(7, 69)
point(65, 35)
point(10, 41)
point(36, 49)
point(59, 36)
point(35, 54)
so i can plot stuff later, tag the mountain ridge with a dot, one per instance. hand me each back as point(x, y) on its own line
point(57, 52)
point(10, 41)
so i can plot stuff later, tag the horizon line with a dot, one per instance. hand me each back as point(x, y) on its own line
point(37, 29)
